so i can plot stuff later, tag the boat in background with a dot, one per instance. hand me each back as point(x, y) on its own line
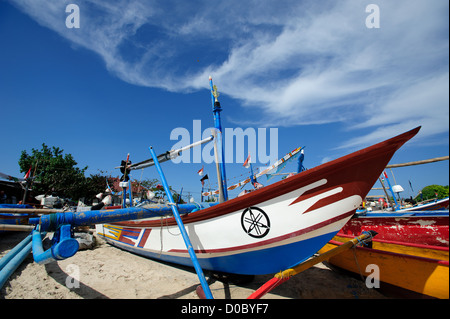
point(410, 251)
point(424, 228)
point(440, 204)
point(396, 205)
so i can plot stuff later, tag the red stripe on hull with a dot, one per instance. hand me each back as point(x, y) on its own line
point(273, 240)
point(125, 235)
point(356, 173)
point(418, 230)
point(144, 238)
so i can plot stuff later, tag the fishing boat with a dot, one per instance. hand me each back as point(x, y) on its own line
point(424, 228)
point(410, 251)
point(270, 229)
point(429, 205)
point(402, 269)
point(438, 204)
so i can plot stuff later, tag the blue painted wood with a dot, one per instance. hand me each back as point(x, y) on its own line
point(186, 239)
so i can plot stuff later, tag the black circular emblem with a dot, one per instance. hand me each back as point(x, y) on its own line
point(255, 222)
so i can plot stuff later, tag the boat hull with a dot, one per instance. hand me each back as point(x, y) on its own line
point(260, 261)
point(423, 228)
point(270, 229)
point(435, 205)
point(416, 270)
point(227, 244)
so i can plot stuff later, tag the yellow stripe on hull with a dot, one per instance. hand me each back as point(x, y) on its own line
point(415, 274)
point(426, 252)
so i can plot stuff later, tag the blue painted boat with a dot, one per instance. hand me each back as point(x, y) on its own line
point(270, 229)
point(436, 205)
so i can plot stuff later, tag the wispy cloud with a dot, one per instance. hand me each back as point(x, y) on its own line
point(295, 62)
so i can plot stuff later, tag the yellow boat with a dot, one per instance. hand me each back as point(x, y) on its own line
point(414, 270)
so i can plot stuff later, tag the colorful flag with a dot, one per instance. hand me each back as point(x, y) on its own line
point(27, 175)
point(257, 185)
point(203, 179)
point(200, 172)
point(247, 162)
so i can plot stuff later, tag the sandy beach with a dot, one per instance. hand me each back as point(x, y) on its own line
point(106, 272)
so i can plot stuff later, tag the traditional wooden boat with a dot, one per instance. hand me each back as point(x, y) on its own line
point(270, 229)
point(410, 251)
point(440, 204)
point(423, 228)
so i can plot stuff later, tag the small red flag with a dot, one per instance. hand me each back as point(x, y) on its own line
point(247, 162)
point(27, 175)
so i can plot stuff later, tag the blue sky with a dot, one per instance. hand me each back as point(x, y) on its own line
point(136, 70)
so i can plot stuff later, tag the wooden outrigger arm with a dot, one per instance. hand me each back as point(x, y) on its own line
point(9, 227)
point(169, 155)
point(285, 275)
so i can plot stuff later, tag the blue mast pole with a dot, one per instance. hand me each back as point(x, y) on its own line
point(130, 193)
point(186, 239)
point(300, 167)
point(218, 125)
point(252, 178)
point(397, 206)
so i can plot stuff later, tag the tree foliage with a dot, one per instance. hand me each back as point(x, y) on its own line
point(155, 186)
point(430, 191)
point(55, 172)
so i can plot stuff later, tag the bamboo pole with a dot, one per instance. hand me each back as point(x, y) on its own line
point(30, 211)
point(285, 275)
point(16, 227)
point(431, 160)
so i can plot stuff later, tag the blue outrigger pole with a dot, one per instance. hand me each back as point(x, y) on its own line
point(218, 125)
point(12, 260)
point(186, 239)
point(397, 205)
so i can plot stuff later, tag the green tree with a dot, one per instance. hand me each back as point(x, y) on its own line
point(429, 192)
point(96, 183)
point(155, 186)
point(55, 172)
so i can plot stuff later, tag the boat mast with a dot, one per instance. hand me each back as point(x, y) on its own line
point(217, 124)
point(218, 168)
point(397, 206)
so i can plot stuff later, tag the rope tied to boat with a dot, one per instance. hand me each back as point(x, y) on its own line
point(52, 220)
point(357, 263)
point(366, 241)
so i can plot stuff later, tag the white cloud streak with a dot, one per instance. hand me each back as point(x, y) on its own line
point(296, 62)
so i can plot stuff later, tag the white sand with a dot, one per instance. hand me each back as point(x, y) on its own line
point(108, 272)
